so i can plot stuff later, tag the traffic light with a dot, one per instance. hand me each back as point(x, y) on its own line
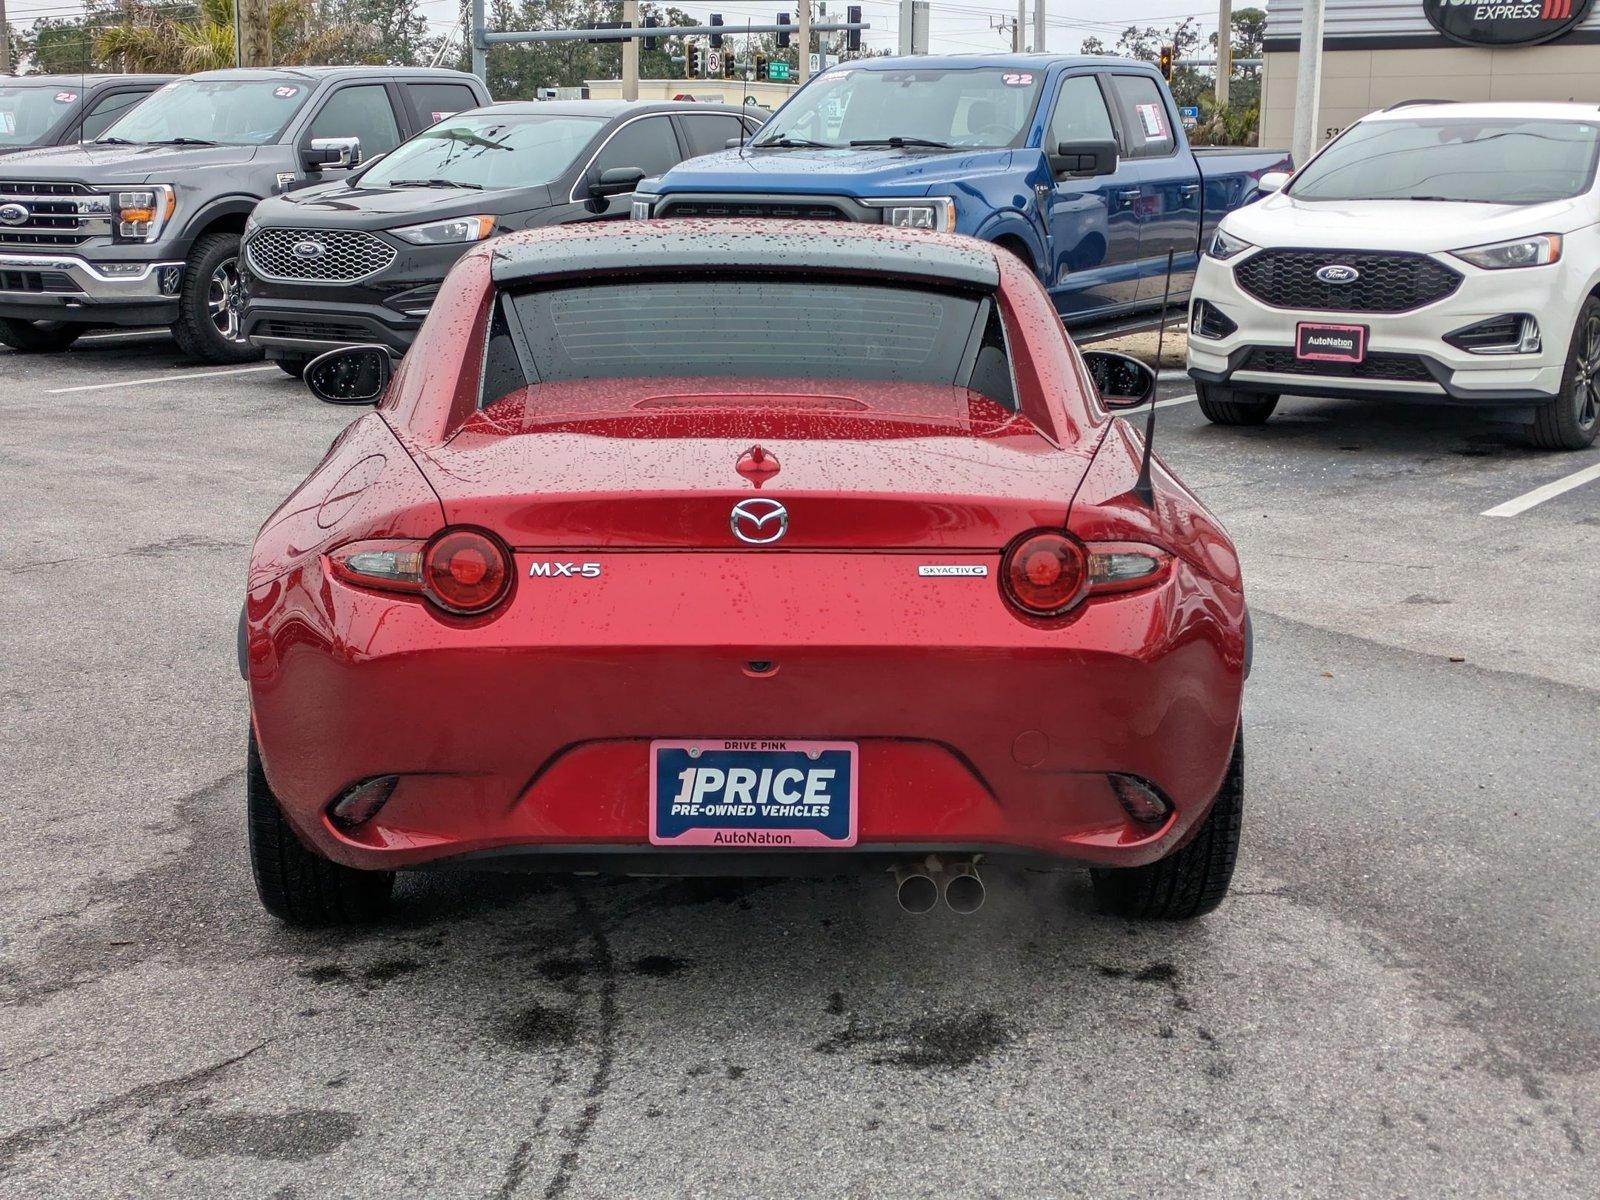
point(852, 40)
point(651, 43)
point(783, 35)
point(700, 53)
point(1166, 63)
point(716, 38)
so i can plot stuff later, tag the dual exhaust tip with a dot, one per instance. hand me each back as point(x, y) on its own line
point(918, 886)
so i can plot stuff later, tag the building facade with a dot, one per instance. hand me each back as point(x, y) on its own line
point(1379, 52)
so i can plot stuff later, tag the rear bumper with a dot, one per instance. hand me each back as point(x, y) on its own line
point(528, 735)
point(68, 287)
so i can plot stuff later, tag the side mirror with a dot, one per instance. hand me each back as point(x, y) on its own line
point(1272, 181)
point(1084, 159)
point(1122, 382)
point(616, 181)
point(332, 152)
point(350, 375)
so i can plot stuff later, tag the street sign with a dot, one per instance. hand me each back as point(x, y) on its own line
point(1190, 114)
point(714, 63)
point(778, 72)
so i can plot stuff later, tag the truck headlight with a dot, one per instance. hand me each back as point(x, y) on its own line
point(447, 233)
point(1523, 252)
point(936, 213)
point(1225, 246)
point(643, 203)
point(140, 214)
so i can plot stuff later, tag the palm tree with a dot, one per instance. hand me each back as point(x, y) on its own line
point(159, 41)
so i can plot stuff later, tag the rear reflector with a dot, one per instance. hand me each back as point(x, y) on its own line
point(362, 802)
point(1140, 800)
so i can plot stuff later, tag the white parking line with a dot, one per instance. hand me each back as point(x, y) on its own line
point(1548, 491)
point(100, 387)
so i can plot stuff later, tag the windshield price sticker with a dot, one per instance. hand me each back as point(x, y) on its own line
point(1150, 118)
point(66, 97)
point(8, 122)
point(1017, 79)
point(285, 92)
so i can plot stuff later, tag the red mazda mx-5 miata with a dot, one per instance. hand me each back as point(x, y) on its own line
point(739, 548)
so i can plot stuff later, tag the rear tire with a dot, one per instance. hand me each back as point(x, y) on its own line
point(1572, 419)
point(295, 884)
point(38, 337)
point(1193, 880)
point(1228, 406)
point(209, 325)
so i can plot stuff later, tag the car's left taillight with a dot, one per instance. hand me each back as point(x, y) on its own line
point(464, 572)
point(1047, 573)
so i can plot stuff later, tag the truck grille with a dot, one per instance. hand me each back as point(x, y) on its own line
point(1395, 368)
point(783, 211)
point(341, 256)
point(36, 281)
point(59, 214)
point(1386, 283)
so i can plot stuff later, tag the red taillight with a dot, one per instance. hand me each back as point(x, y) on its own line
point(1045, 573)
point(462, 571)
point(465, 572)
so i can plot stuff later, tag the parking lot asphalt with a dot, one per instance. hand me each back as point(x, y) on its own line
point(1399, 998)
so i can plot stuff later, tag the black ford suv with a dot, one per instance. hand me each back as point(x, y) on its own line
point(360, 260)
point(141, 226)
point(57, 110)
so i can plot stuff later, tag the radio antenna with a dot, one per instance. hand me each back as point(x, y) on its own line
point(744, 100)
point(1143, 489)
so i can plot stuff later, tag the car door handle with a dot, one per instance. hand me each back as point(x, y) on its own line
point(1127, 195)
point(1190, 189)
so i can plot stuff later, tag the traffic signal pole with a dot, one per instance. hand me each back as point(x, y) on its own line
point(1308, 83)
point(630, 52)
point(803, 59)
point(1224, 50)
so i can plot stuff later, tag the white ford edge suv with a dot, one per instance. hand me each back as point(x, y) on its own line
point(1435, 252)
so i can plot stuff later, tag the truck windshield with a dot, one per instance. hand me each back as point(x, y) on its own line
point(487, 150)
point(966, 106)
point(28, 113)
point(224, 112)
point(1481, 160)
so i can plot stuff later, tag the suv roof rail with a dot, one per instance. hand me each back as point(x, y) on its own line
point(1419, 100)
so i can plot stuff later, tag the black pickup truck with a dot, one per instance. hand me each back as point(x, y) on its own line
point(57, 110)
point(141, 225)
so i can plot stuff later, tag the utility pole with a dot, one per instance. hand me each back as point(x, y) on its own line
point(1018, 30)
point(5, 41)
point(803, 59)
point(1308, 83)
point(475, 32)
point(1224, 51)
point(255, 36)
point(630, 52)
point(1038, 26)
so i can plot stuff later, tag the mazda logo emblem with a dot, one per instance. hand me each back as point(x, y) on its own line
point(759, 522)
point(13, 214)
point(1338, 273)
point(309, 250)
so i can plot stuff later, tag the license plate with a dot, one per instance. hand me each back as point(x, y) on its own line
point(752, 793)
point(1330, 343)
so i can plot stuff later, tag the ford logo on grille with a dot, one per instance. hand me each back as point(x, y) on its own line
point(309, 250)
point(1338, 273)
point(13, 214)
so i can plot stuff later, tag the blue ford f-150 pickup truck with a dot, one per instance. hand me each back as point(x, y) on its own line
point(1077, 164)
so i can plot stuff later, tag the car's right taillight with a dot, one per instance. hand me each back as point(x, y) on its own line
point(1046, 573)
point(465, 572)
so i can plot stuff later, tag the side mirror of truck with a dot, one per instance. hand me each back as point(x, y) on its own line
point(1272, 181)
point(615, 181)
point(1084, 159)
point(1122, 382)
point(350, 375)
point(332, 152)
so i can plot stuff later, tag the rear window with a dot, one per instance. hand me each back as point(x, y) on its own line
point(780, 331)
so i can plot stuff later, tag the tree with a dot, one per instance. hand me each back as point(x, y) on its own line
point(392, 32)
point(161, 39)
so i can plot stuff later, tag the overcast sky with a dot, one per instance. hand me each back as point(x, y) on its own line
point(957, 27)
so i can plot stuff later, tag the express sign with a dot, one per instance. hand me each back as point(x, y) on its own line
point(1504, 22)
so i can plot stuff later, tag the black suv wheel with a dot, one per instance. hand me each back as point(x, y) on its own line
point(1572, 419)
point(38, 337)
point(1226, 406)
point(210, 305)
